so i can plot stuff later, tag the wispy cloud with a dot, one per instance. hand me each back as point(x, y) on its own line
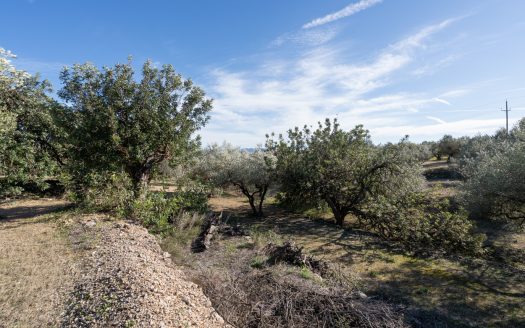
point(440, 100)
point(315, 37)
point(318, 83)
point(435, 66)
point(345, 12)
point(416, 40)
point(39, 66)
point(455, 128)
point(436, 119)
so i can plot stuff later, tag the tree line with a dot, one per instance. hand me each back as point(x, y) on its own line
point(110, 132)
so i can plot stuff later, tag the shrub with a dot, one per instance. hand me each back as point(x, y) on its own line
point(104, 192)
point(121, 122)
point(250, 172)
point(494, 168)
point(342, 168)
point(161, 213)
point(422, 224)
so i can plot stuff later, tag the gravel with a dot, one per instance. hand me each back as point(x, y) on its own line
point(128, 281)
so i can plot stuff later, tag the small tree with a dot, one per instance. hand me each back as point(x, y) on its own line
point(120, 124)
point(251, 172)
point(449, 146)
point(433, 148)
point(343, 169)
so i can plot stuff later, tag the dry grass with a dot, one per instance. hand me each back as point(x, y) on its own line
point(453, 292)
point(253, 284)
point(37, 264)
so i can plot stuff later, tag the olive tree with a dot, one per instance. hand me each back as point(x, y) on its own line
point(251, 172)
point(121, 122)
point(28, 148)
point(494, 169)
point(449, 146)
point(381, 186)
point(342, 168)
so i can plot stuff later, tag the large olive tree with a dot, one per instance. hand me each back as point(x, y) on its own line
point(28, 147)
point(122, 122)
point(342, 168)
point(251, 172)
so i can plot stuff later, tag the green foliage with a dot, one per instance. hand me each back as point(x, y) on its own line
point(105, 192)
point(449, 146)
point(159, 212)
point(306, 273)
point(343, 169)
point(251, 172)
point(258, 262)
point(27, 148)
point(494, 168)
point(119, 124)
point(419, 222)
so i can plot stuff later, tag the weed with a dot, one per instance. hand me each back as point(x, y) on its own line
point(262, 237)
point(258, 262)
point(306, 273)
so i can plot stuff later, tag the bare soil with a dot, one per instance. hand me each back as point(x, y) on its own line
point(37, 264)
point(63, 268)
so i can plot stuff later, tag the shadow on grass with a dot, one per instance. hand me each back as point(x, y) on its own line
point(24, 214)
point(454, 292)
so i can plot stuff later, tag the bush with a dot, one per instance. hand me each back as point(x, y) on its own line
point(342, 168)
point(423, 224)
point(161, 213)
point(104, 192)
point(494, 167)
point(252, 173)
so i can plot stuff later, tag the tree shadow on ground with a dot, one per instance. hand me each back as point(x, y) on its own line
point(453, 292)
point(23, 211)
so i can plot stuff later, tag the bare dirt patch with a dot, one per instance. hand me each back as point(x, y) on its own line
point(72, 270)
point(37, 264)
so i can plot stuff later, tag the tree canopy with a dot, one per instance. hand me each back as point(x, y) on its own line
point(117, 122)
point(342, 168)
point(27, 147)
point(494, 167)
point(251, 172)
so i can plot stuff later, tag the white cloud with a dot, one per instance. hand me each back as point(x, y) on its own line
point(345, 12)
point(306, 38)
point(456, 128)
point(416, 40)
point(435, 66)
point(38, 66)
point(436, 119)
point(318, 83)
point(455, 93)
point(440, 100)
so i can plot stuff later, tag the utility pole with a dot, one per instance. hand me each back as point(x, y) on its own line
point(506, 110)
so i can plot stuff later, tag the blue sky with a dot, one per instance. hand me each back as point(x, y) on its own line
point(423, 68)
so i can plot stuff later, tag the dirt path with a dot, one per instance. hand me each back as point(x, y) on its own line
point(37, 264)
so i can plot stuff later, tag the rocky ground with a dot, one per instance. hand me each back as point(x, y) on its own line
point(128, 281)
point(115, 275)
